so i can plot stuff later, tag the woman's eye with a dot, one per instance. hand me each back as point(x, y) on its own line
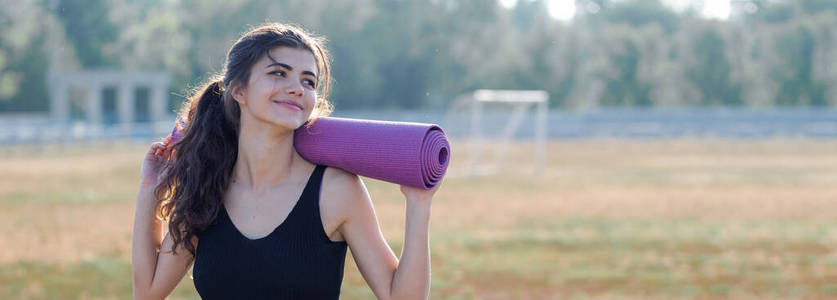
point(281, 73)
point(309, 82)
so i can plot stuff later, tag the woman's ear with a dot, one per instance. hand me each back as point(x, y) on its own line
point(239, 95)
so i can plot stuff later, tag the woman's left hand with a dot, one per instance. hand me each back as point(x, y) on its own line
point(413, 193)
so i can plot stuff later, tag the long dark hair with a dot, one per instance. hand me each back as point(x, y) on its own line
point(192, 189)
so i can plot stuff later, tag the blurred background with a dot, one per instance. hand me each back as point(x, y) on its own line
point(601, 149)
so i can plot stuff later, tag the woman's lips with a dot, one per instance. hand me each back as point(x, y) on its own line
point(289, 106)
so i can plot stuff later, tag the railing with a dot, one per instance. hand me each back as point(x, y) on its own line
point(611, 123)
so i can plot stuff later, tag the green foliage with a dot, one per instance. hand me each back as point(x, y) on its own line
point(641, 12)
point(817, 6)
point(780, 13)
point(88, 28)
point(797, 84)
point(711, 73)
point(621, 80)
point(423, 53)
point(23, 59)
point(31, 92)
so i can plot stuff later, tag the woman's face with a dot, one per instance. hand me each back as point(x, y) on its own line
point(282, 89)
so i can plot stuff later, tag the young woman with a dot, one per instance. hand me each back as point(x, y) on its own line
point(256, 219)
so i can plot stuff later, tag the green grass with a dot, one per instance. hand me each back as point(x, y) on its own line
point(678, 220)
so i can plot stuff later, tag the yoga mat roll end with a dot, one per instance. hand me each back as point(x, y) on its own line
point(437, 151)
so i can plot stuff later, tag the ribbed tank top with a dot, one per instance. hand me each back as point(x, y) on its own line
point(295, 261)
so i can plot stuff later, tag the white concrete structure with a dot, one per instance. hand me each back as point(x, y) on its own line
point(95, 82)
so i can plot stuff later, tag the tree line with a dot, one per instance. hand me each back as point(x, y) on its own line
point(400, 54)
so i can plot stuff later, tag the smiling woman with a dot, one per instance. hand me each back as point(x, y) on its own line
point(291, 70)
point(255, 218)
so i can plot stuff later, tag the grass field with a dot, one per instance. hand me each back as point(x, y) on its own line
point(683, 219)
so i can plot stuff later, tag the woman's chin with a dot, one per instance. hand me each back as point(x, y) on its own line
point(289, 123)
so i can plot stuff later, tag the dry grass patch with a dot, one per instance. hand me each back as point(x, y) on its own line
point(607, 219)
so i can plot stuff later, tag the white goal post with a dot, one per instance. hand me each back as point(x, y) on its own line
point(521, 101)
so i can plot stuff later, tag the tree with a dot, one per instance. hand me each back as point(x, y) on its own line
point(709, 69)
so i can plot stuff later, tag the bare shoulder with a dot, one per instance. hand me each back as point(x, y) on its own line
point(342, 190)
point(338, 173)
point(343, 185)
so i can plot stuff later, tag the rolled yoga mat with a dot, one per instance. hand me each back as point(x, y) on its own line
point(412, 154)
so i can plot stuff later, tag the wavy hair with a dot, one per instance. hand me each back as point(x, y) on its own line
point(199, 169)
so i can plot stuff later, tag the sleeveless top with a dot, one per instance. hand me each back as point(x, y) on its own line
point(295, 261)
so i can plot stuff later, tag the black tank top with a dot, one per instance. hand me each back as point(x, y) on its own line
point(295, 261)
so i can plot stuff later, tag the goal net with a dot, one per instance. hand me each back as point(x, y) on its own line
point(514, 106)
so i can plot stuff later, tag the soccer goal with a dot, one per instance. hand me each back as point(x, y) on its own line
point(517, 103)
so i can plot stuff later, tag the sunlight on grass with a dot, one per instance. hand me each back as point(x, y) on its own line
point(607, 220)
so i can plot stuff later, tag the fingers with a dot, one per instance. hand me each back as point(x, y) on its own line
point(158, 148)
point(162, 148)
point(155, 146)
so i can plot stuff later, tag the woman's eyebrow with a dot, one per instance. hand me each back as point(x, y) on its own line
point(276, 63)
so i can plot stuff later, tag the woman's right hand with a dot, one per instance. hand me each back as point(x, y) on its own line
point(152, 166)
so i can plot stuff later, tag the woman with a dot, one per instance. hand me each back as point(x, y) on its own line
point(256, 219)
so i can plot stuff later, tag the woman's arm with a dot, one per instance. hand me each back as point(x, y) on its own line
point(155, 275)
point(412, 278)
point(387, 277)
point(144, 242)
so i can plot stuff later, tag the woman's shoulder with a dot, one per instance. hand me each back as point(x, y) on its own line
point(337, 179)
point(342, 189)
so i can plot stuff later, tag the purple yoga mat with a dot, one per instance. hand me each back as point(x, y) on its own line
point(413, 154)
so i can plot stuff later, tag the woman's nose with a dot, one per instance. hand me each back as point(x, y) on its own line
point(293, 88)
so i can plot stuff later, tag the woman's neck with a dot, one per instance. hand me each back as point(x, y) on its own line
point(265, 157)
